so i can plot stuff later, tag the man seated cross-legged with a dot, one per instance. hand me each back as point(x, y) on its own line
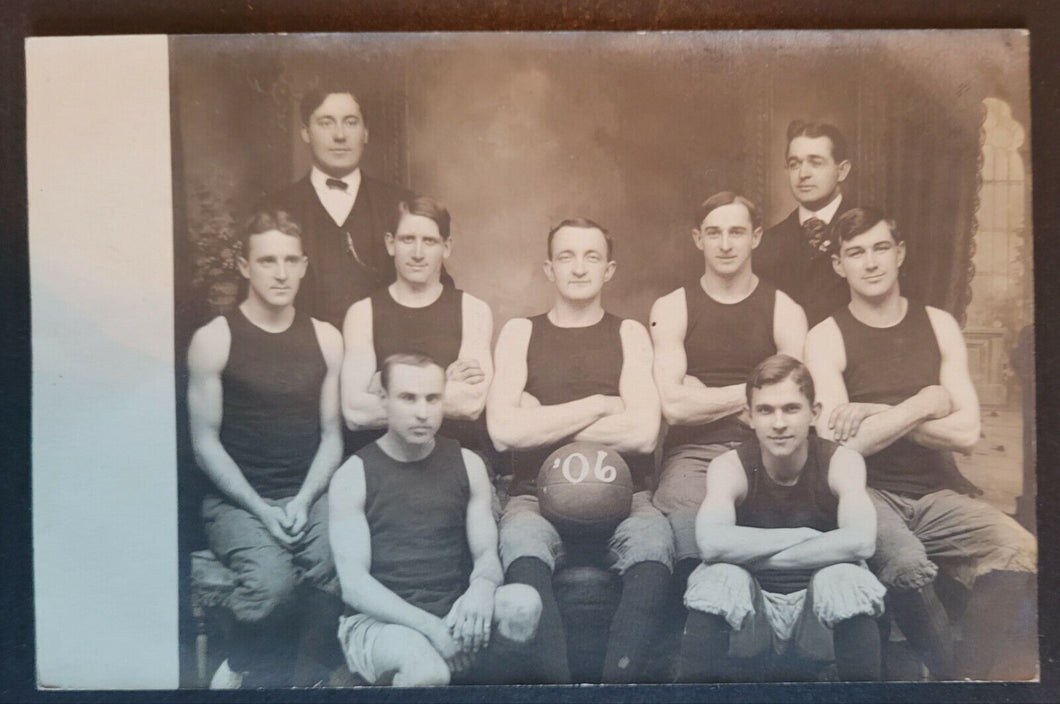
point(783, 531)
point(415, 546)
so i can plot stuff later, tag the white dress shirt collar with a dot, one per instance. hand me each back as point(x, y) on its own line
point(337, 202)
point(825, 214)
point(320, 180)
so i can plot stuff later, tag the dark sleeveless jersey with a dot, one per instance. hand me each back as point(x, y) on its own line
point(417, 518)
point(567, 364)
point(809, 503)
point(889, 365)
point(435, 330)
point(271, 402)
point(723, 343)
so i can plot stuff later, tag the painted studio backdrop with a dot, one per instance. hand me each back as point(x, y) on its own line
point(515, 132)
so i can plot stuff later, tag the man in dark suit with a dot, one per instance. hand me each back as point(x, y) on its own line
point(795, 253)
point(344, 214)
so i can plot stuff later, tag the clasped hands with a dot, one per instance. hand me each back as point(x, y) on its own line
point(288, 524)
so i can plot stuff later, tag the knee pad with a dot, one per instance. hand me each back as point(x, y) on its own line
point(722, 589)
point(427, 673)
point(839, 592)
point(517, 608)
point(517, 601)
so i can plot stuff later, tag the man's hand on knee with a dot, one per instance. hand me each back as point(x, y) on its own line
point(470, 619)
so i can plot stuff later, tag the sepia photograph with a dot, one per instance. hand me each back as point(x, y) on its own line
point(543, 358)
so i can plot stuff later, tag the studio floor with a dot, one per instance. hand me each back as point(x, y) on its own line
point(996, 463)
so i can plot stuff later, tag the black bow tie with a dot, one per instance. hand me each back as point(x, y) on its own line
point(336, 183)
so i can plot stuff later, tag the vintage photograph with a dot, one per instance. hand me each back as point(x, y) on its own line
point(560, 358)
point(607, 358)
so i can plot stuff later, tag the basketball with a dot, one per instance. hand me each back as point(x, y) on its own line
point(585, 488)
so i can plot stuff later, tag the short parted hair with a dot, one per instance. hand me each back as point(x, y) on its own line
point(587, 224)
point(427, 207)
point(857, 221)
point(411, 359)
point(727, 198)
point(775, 369)
point(813, 130)
point(315, 96)
point(265, 221)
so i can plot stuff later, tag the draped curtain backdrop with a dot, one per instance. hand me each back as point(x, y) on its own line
point(921, 134)
point(519, 130)
point(911, 108)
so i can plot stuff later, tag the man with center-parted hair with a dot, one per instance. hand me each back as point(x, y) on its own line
point(708, 336)
point(894, 385)
point(794, 254)
point(578, 373)
point(263, 401)
point(418, 313)
point(344, 213)
point(415, 546)
point(783, 530)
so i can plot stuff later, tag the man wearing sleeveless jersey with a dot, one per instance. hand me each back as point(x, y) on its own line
point(894, 385)
point(794, 254)
point(578, 373)
point(708, 336)
point(418, 313)
point(415, 546)
point(263, 400)
point(782, 530)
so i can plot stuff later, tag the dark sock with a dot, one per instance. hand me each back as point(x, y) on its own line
point(645, 586)
point(857, 649)
point(319, 653)
point(953, 596)
point(264, 651)
point(682, 571)
point(923, 620)
point(505, 661)
point(550, 643)
point(993, 622)
point(704, 655)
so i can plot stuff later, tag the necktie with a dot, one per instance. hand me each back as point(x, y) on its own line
point(816, 231)
point(336, 183)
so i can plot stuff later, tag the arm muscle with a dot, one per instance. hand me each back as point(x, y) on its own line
point(362, 407)
point(636, 429)
point(684, 403)
point(513, 426)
